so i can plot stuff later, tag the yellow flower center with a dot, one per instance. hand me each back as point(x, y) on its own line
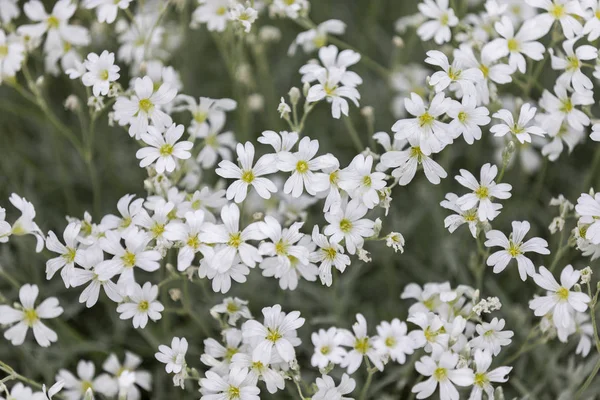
point(462, 116)
point(69, 256)
point(233, 392)
point(126, 222)
point(157, 230)
point(444, 19)
point(3, 51)
point(128, 259)
point(103, 75)
point(211, 141)
point(557, 11)
point(302, 167)
point(281, 248)
point(415, 152)
point(485, 70)
point(330, 252)
point(334, 177)
point(273, 335)
point(30, 316)
point(193, 242)
point(513, 249)
point(573, 63)
point(480, 379)
point(345, 225)
point(482, 192)
point(440, 374)
point(230, 352)
point(232, 307)
point(329, 90)
point(470, 215)
point(566, 106)
point(390, 342)
point(513, 45)
point(563, 293)
point(85, 385)
point(235, 239)
point(320, 41)
point(367, 181)
point(325, 350)
point(426, 119)
point(454, 75)
point(362, 345)
point(257, 365)
point(248, 176)
point(143, 306)
point(146, 105)
point(53, 22)
point(166, 150)
point(200, 117)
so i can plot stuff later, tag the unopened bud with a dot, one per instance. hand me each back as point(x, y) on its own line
point(175, 294)
point(294, 94)
point(72, 103)
point(398, 42)
point(305, 89)
point(508, 152)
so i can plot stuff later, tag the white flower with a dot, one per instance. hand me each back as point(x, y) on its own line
point(28, 316)
point(272, 376)
point(277, 336)
point(441, 19)
point(560, 300)
point(392, 339)
point(348, 223)
point(361, 346)
point(76, 387)
point(188, 236)
point(455, 73)
point(333, 60)
point(358, 180)
point(49, 393)
point(106, 10)
point(565, 134)
point(514, 248)
point(89, 259)
point(316, 38)
point(283, 242)
point(561, 108)
point(221, 277)
point(134, 254)
point(572, 63)
point(174, 356)
point(595, 135)
point(467, 118)
point(518, 128)
point(563, 11)
point(395, 240)
point(407, 161)
point(8, 11)
point(425, 131)
point(588, 207)
point(330, 253)
point(483, 377)
point(129, 210)
point(432, 335)
point(443, 372)
point(25, 225)
point(289, 8)
point(483, 192)
point(12, 54)
point(327, 348)
point(328, 391)
point(282, 141)
point(164, 150)
point(248, 175)
point(234, 308)
point(329, 88)
point(245, 16)
point(214, 13)
point(129, 369)
point(144, 105)
point(302, 164)
point(69, 254)
point(218, 356)
point(232, 240)
point(454, 221)
point(216, 143)
point(491, 336)
point(514, 46)
point(101, 71)
point(18, 391)
point(141, 305)
point(592, 25)
point(232, 386)
point(56, 24)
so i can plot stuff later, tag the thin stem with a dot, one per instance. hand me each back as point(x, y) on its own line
point(296, 381)
point(12, 373)
point(353, 134)
point(593, 171)
point(371, 372)
point(589, 380)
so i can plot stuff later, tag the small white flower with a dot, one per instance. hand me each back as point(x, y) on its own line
point(76, 387)
point(452, 73)
point(348, 223)
point(277, 336)
point(563, 11)
point(232, 386)
point(28, 316)
point(492, 336)
point(164, 150)
point(12, 54)
point(454, 221)
point(560, 300)
point(515, 248)
point(572, 63)
point(316, 38)
point(327, 390)
point(101, 71)
point(518, 128)
point(174, 356)
point(245, 16)
point(441, 19)
point(234, 308)
point(588, 207)
point(467, 118)
point(362, 184)
point(106, 10)
point(127, 375)
point(144, 105)
point(327, 348)
point(213, 13)
point(406, 162)
point(395, 240)
point(69, 254)
point(330, 253)
point(441, 370)
point(141, 305)
point(484, 378)
point(392, 339)
point(188, 236)
point(248, 175)
point(361, 346)
point(483, 192)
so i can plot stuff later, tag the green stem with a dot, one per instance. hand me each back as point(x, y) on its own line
point(353, 134)
point(593, 171)
point(371, 372)
point(589, 380)
point(12, 373)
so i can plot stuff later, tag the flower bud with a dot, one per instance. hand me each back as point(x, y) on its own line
point(294, 94)
point(398, 42)
point(305, 89)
